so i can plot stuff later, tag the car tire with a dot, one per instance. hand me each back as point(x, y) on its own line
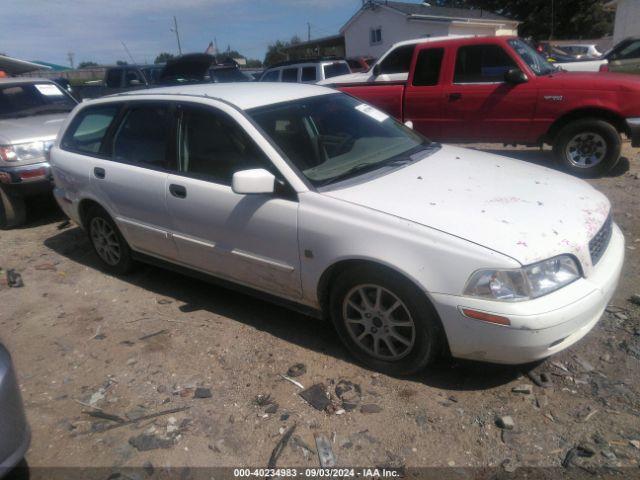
point(108, 243)
point(13, 211)
point(421, 343)
point(587, 148)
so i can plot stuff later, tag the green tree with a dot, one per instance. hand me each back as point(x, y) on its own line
point(163, 57)
point(121, 62)
point(87, 64)
point(571, 18)
point(275, 53)
point(253, 63)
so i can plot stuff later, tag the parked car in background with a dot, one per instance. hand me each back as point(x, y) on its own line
point(326, 204)
point(305, 71)
point(624, 57)
point(14, 431)
point(575, 51)
point(200, 68)
point(499, 89)
point(119, 79)
point(360, 64)
point(31, 113)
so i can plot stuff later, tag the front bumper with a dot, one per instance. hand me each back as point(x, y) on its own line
point(26, 180)
point(539, 328)
point(633, 127)
point(15, 435)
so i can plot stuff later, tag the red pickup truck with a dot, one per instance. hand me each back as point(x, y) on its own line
point(499, 89)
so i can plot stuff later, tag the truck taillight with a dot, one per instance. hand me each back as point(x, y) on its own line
point(604, 67)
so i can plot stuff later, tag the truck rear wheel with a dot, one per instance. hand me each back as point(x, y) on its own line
point(587, 148)
point(13, 212)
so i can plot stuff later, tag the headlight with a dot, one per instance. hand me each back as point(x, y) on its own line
point(525, 283)
point(22, 151)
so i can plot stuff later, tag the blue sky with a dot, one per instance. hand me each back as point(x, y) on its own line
point(93, 29)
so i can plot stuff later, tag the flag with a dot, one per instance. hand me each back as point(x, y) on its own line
point(211, 49)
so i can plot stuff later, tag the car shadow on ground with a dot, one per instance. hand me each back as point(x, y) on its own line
point(544, 158)
point(41, 210)
point(307, 332)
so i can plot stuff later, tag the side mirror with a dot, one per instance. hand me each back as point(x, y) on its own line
point(253, 181)
point(376, 70)
point(134, 82)
point(515, 76)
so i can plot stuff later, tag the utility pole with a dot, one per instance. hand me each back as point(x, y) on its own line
point(175, 29)
point(128, 52)
point(552, 19)
point(308, 31)
point(70, 57)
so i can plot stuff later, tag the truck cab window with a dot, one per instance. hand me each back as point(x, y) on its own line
point(428, 64)
point(482, 64)
point(113, 78)
point(398, 61)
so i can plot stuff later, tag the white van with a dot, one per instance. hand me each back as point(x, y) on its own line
point(305, 71)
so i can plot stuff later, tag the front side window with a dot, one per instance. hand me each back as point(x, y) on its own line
point(531, 57)
point(213, 146)
point(629, 50)
point(88, 129)
point(143, 137)
point(332, 137)
point(482, 64)
point(398, 61)
point(113, 77)
point(133, 77)
point(428, 64)
point(270, 76)
point(25, 100)
point(309, 74)
point(290, 75)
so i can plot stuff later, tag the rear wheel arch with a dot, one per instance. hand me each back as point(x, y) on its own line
point(84, 207)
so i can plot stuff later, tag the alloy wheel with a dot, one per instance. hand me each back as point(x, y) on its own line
point(379, 322)
point(105, 240)
point(586, 149)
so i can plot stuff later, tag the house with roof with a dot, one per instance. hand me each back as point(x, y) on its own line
point(378, 24)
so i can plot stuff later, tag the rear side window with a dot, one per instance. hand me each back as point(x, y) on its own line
point(270, 76)
point(143, 137)
point(482, 64)
point(308, 74)
point(428, 64)
point(335, 69)
point(398, 61)
point(86, 133)
point(290, 75)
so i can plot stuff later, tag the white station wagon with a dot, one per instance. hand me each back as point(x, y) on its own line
point(324, 203)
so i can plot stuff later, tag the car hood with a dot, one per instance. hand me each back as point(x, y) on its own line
point(28, 129)
point(527, 212)
point(597, 81)
point(359, 77)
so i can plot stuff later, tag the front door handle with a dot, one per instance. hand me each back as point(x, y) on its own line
point(455, 96)
point(99, 172)
point(178, 191)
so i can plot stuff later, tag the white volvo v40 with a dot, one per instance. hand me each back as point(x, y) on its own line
point(316, 199)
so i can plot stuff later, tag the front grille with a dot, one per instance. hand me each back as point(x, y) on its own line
point(598, 244)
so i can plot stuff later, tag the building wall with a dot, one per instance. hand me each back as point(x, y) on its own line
point(396, 28)
point(627, 20)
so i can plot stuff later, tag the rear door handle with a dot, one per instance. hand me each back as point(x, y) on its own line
point(455, 96)
point(99, 172)
point(178, 191)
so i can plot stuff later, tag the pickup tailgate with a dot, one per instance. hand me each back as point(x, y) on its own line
point(388, 97)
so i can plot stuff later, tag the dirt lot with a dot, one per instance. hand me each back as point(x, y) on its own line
point(78, 340)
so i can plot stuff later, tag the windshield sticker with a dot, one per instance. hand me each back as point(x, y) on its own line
point(372, 112)
point(49, 90)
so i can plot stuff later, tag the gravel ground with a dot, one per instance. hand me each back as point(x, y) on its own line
point(152, 341)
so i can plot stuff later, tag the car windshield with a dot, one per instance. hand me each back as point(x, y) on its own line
point(531, 57)
point(335, 69)
point(333, 137)
point(226, 75)
point(26, 99)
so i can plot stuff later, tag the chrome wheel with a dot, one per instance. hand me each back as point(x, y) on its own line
point(586, 150)
point(379, 322)
point(105, 240)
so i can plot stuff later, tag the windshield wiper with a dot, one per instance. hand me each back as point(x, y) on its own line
point(360, 167)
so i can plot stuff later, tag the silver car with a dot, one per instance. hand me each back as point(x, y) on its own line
point(31, 113)
point(14, 431)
